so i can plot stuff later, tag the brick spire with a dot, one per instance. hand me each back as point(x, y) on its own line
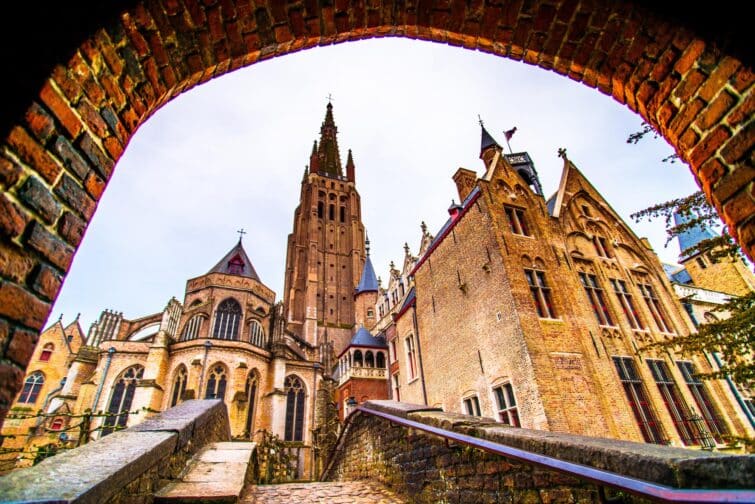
point(314, 163)
point(329, 157)
point(350, 167)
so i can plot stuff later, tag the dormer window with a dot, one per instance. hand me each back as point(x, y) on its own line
point(236, 266)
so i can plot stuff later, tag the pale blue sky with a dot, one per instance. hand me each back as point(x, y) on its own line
point(231, 153)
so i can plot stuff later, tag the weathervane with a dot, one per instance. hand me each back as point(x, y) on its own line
point(241, 233)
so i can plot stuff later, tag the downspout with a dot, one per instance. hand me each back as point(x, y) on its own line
point(49, 395)
point(110, 353)
point(317, 367)
point(419, 350)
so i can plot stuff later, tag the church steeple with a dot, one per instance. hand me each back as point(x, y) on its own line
point(328, 154)
point(368, 282)
point(350, 167)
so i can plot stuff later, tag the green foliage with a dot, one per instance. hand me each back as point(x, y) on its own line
point(44, 452)
point(277, 462)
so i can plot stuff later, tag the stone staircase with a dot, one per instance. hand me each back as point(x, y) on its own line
point(339, 492)
point(218, 473)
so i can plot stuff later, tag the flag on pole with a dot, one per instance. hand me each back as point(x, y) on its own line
point(510, 133)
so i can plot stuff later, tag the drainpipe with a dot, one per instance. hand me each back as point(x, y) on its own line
point(736, 393)
point(49, 395)
point(419, 351)
point(207, 345)
point(317, 367)
point(110, 353)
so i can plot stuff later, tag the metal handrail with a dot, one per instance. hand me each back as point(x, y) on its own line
point(646, 489)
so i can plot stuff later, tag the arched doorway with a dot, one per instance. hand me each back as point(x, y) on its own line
point(104, 84)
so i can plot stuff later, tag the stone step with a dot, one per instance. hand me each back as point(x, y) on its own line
point(218, 473)
point(339, 492)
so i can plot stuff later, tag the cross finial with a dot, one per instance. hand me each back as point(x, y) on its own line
point(562, 153)
point(330, 98)
point(479, 119)
point(241, 233)
point(367, 244)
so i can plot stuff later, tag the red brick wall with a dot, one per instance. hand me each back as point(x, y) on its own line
point(56, 161)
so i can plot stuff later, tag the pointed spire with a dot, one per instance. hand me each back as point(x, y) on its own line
point(368, 282)
point(236, 262)
point(314, 161)
point(486, 140)
point(350, 167)
point(691, 236)
point(329, 157)
point(406, 248)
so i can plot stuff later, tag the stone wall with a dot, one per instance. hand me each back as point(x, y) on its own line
point(126, 466)
point(426, 469)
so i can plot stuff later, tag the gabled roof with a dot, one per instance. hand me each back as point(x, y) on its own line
point(409, 300)
point(368, 282)
point(690, 237)
point(236, 262)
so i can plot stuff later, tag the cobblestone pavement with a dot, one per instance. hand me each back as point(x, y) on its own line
point(348, 492)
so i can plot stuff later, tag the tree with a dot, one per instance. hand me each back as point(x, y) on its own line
point(734, 337)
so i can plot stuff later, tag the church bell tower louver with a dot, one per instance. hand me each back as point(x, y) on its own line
point(325, 253)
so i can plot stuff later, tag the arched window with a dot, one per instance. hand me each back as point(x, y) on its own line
point(256, 334)
point(121, 399)
point(179, 385)
point(227, 318)
point(320, 209)
point(380, 360)
point(369, 359)
point(250, 391)
point(32, 386)
point(342, 214)
point(294, 409)
point(358, 359)
point(56, 424)
point(331, 212)
point(216, 382)
point(192, 327)
point(46, 352)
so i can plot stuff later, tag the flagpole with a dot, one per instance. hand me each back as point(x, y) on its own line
point(508, 145)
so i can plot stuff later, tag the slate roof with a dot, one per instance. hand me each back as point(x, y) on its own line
point(690, 237)
point(236, 256)
point(363, 337)
point(368, 282)
point(487, 140)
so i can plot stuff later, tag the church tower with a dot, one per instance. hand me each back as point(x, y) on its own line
point(325, 253)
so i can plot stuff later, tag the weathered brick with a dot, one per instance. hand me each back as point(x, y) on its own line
point(684, 118)
point(101, 162)
point(37, 196)
point(10, 172)
point(725, 68)
point(33, 154)
point(50, 246)
point(689, 85)
point(688, 140)
point(713, 113)
point(40, 123)
point(12, 378)
point(689, 55)
point(734, 181)
point(113, 146)
point(46, 282)
point(739, 145)
point(21, 346)
point(15, 263)
point(94, 185)
point(710, 173)
point(738, 209)
point(70, 88)
point(743, 112)
point(71, 228)
point(92, 118)
point(742, 79)
point(22, 306)
point(709, 145)
point(75, 196)
point(61, 109)
point(71, 157)
point(4, 333)
point(12, 219)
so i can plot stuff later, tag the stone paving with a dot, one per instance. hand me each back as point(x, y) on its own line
point(356, 492)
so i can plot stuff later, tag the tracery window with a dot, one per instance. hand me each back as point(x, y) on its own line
point(646, 419)
point(192, 327)
point(295, 396)
point(597, 300)
point(256, 334)
point(541, 293)
point(627, 303)
point(227, 318)
point(654, 305)
point(46, 352)
point(216, 383)
point(674, 402)
point(708, 411)
point(32, 386)
point(179, 385)
point(121, 399)
point(250, 391)
point(508, 412)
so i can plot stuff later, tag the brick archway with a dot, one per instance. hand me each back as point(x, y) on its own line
point(56, 160)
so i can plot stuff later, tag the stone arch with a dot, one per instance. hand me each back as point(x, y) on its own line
point(65, 129)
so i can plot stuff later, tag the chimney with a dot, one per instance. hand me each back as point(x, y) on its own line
point(465, 182)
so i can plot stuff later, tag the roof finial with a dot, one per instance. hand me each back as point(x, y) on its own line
point(406, 248)
point(479, 119)
point(60, 319)
point(330, 99)
point(241, 233)
point(367, 244)
point(423, 225)
point(562, 153)
point(77, 317)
